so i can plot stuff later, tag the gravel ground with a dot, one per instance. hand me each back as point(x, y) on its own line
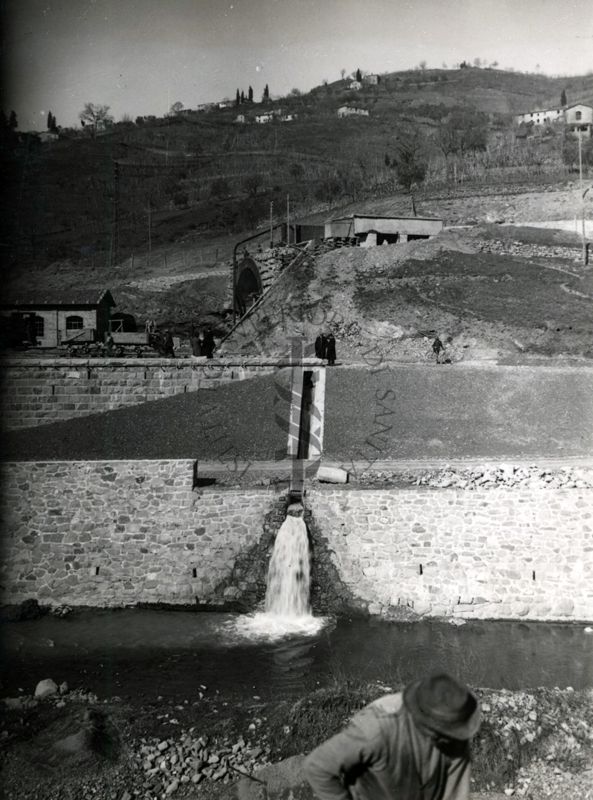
point(534, 744)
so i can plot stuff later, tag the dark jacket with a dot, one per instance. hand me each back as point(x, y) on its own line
point(383, 755)
point(330, 348)
point(320, 345)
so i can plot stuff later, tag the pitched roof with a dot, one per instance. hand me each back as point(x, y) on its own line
point(61, 297)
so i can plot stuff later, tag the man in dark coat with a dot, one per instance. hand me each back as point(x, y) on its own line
point(330, 350)
point(209, 344)
point(320, 345)
point(437, 349)
point(169, 346)
point(412, 745)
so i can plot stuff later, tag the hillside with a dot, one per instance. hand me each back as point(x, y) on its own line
point(200, 174)
point(488, 293)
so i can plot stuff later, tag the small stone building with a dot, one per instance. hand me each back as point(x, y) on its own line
point(54, 318)
point(382, 230)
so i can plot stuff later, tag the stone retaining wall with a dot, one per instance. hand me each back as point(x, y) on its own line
point(485, 553)
point(116, 533)
point(37, 391)
point(121, 532)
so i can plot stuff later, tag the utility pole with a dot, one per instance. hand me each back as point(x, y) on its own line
point(149, 231)
point(287, 219)
point(271, 223)
point(115, 231)
point(583, 193)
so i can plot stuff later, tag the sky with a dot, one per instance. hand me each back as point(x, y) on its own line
point(140, 56)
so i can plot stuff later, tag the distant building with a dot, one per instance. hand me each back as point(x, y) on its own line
point(355, 85)
point(262, 119)
point(370, 230)
point(48, 136)
point(579, 119)
point(241, 119)
point(349, 111)
point(76, 315)
point(373, 80)
point(205, 107)
point(225, 104)
point(288, 117)
point(543, 117)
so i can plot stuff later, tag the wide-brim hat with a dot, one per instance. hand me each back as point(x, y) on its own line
point(444, 706)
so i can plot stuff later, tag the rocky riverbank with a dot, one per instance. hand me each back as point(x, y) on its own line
point(71, 744)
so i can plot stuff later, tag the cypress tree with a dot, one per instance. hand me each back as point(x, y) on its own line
point(563, 98)
point(250, 95)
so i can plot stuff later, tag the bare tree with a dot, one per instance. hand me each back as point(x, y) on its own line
point(176, 108)
point(95, 116)
point(343, 73)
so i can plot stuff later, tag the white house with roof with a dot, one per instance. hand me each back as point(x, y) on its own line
point(371, 79)
point(579, 119)
point(352, 111)
point(262, 119)
point(355, 86)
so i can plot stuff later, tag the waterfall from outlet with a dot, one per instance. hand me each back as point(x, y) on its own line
point(287, 594)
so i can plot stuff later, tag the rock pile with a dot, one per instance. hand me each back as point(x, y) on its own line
point(525, 250)
point(489, 477)
point(193, 758)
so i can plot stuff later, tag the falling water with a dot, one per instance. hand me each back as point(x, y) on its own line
point(287, 609)
point(288, 575)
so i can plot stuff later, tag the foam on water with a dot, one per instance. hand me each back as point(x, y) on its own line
point(288, 611)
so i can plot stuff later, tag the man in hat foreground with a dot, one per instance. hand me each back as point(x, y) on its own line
point(413, 745)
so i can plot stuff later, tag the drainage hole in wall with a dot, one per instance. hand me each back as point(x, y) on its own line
point(96, 570)
point(533, 575)
point(194, 572)
point(421, 570)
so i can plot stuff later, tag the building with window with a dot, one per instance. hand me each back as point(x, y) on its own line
point(579, 119)
point(55, 318)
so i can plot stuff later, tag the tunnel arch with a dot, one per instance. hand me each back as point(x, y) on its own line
point(248, 286)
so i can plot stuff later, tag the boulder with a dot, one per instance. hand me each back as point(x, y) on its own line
point(332, 475)
point(46, 688)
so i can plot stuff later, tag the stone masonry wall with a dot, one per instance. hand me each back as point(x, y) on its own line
point(122, 532)
point(117, 533)
point(489, 553)
point(37, 391)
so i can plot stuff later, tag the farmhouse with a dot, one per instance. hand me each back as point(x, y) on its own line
point(240, 118)
point(579, 119)
point(372, 79)
point(349, 111)
point(262, 119)
point(55, 318)
point(541, 117)
point(355, 85)
point(370, 230)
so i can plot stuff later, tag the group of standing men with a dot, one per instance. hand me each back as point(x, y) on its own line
point(325, 347)
point(202, 342)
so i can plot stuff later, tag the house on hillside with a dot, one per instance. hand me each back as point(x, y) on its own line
point(241, 118)
point(544, 117)
point(373, 80)
point(369, 230)
point(288, 117)
point(579, 119)
point(225, 104)
point(355, 86)
point(54, 318)
point(48, 136)
point(262, 119)
point(205, 107)
point(351, 111)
